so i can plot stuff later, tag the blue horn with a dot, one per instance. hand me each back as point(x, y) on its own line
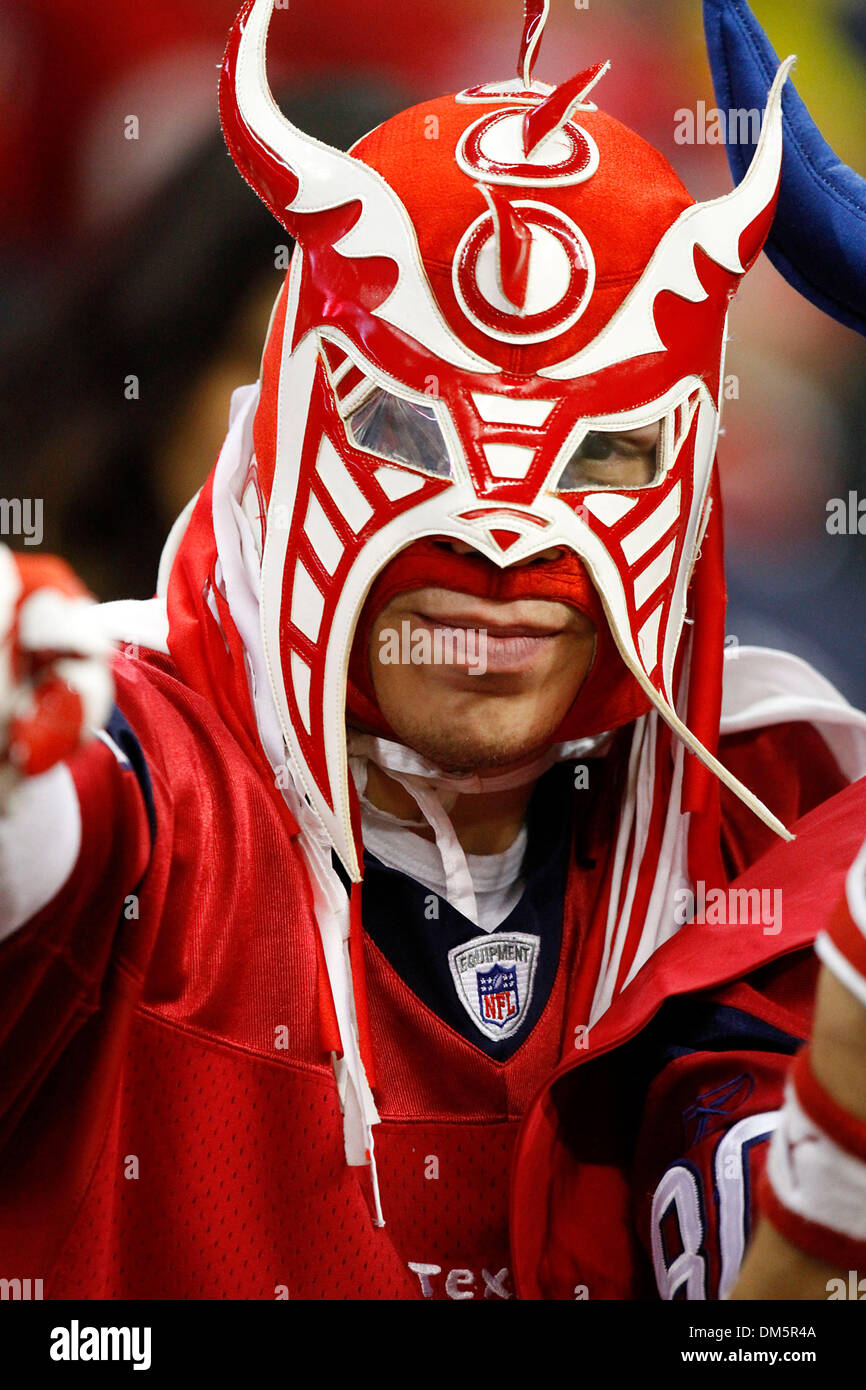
point(818, 239)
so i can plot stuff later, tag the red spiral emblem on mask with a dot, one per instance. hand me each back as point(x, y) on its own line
point(561, 277)
point(492, 150)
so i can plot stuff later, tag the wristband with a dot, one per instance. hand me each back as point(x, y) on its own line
point(814, 1185)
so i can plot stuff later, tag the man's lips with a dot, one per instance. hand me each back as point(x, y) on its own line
point(516, 637)
point(501, 648)
point(491, 629)
point(497, 619)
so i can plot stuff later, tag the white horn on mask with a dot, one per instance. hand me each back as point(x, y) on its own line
point(716, 227)
point(297, 175)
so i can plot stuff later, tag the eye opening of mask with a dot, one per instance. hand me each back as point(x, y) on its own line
point(623, 458)
point(400, 431)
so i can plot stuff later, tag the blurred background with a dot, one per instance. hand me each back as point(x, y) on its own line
point(137, 275)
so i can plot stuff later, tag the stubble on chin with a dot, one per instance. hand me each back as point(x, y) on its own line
point(460, 751)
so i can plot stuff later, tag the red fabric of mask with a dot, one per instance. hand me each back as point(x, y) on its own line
point(609, 696)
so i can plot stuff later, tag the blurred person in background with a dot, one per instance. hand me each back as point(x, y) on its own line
point(159, 321)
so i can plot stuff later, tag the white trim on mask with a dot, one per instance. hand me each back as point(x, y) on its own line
point(761, 688)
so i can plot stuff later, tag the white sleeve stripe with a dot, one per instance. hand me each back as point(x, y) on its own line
point(53, 621)
point(135, 622)
point(40, 837)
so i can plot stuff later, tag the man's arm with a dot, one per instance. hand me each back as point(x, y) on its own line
point(774, 1267)
point(75, 820)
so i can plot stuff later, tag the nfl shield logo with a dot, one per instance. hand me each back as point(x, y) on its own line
point(497, 994)
point(493, 976)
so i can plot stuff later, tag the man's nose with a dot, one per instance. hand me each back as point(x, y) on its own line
point(464, 548)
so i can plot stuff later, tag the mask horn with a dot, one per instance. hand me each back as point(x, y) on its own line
point(513, 245)
point(554, 111)
point(296, 176)
point(731, 230)
point(535, 14)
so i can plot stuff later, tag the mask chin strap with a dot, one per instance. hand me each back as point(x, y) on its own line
point(703, 681)
point(434, 792)
point(459, 888)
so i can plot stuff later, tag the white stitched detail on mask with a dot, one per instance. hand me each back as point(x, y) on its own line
point(509, 460)
point(322, 537)
point(608, 507)
point(644, 536)
point(308, 603)
point(655, 573)
point(341, 486)
point(508, 410)
point(397, 483)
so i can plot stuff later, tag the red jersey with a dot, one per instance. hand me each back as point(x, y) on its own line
point(171, 1123)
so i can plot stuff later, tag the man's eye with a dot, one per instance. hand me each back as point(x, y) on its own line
point(626, 460)
point(597, 446)
point(401, 431)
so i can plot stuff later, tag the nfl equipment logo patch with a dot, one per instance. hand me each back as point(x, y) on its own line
point(494, 976)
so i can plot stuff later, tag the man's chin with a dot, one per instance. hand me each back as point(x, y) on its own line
point(461, 754)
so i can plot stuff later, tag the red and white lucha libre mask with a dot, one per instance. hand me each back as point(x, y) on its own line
point(486, 294)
